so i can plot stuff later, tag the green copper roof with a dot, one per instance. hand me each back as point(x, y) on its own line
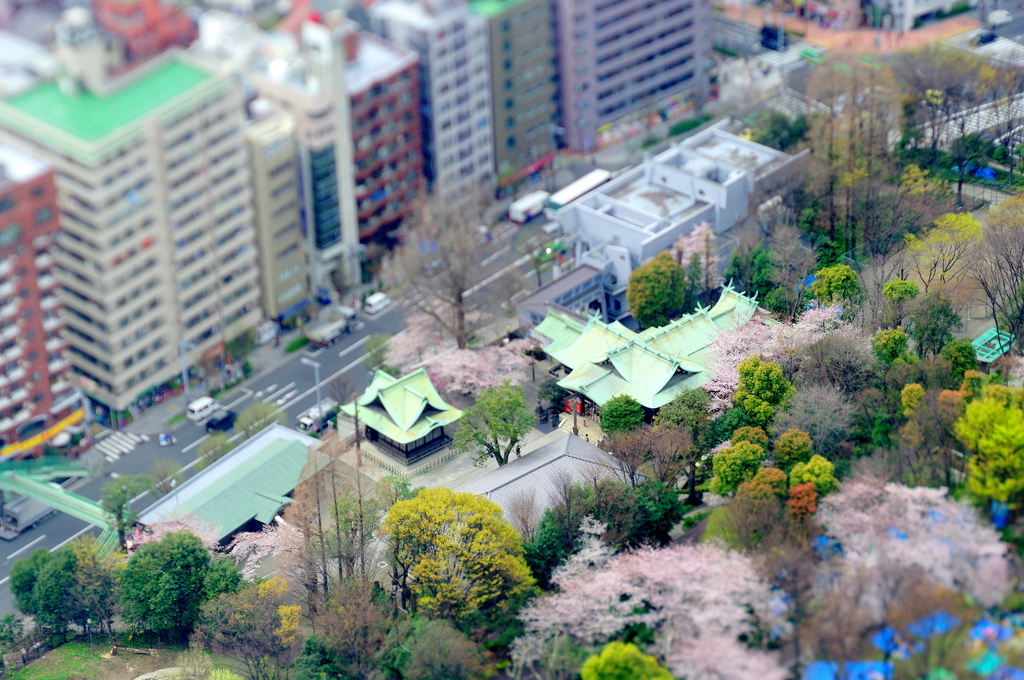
point(653, 366)
point(403, 409)
point(992, 344)
point(493, 8)
point(561, 329)
point(90, 117)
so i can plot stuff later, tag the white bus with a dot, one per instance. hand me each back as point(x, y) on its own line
point(564, 197)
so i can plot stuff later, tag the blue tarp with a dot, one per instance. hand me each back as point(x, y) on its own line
point(821, 670)
point(886, 640)
point(826, 547)
point(1008, 673)
point(933, 624)
point(990, 632)
point(867, 670)
point(985, 173)
point(897, 534)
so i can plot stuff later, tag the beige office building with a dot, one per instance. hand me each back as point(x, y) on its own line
point(273, 154)
point(157, 244)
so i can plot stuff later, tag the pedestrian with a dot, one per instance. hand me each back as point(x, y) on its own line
point(519, 452)
point(587, 436)
point(584, 422)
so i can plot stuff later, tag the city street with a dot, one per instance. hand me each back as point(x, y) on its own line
point(290, 385)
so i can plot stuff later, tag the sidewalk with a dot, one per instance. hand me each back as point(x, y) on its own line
point(263, 358)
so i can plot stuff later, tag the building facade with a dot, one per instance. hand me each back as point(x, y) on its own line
point(36, 387)
point(523, 84)
point(451, 42)
point(625, 58)
point(284, 278)
point(383, 84)
point(145, 27)
point(306, 78)
point(156, 245)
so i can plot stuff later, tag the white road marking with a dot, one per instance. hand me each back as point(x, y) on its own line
point(494, 257)
point(355, 346)
point(274, 395)
point(493, 277)
point(329, 378)
point(239, 400)
point(21, 550)
point(69, 540)
point(195, 444)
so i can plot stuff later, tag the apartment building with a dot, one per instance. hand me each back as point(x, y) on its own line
point(36, 388)
point(521, 42)
point(156, 245)
point(383, 84)
point(145, 27)
point(273, 153)
point(306, 78)
point(451, 42)
point(621, 60)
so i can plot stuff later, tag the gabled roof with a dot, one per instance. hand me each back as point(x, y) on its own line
point(403, 409)
point(652, 366)
point(251, 482)
point(560, 329)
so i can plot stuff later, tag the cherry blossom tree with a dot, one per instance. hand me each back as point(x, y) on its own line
point(250, 548)
point(891, 524)
point(697, 599)
point(205, 531)
point(700, 242)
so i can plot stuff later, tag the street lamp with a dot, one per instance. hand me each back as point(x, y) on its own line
point(183, 348)
point(316, 374)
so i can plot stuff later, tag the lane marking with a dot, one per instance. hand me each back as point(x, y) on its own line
point(311, 390)
point(239, 400)
point(21, 550)
point(274, 395)
point(494, 257)
point(494, 277)
point(71, 539)
point(195, 443)
point(355, 346)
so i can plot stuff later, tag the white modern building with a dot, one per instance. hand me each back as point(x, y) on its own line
point(455, 81)
point(157, 245)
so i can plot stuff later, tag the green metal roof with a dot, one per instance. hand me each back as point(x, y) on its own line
point(403, 409)
point(992, 344)
point(251, 482)
point(91, 117)
point(653, 366)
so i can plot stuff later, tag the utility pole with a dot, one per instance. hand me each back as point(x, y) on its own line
point(184, 346)
point(316, 375)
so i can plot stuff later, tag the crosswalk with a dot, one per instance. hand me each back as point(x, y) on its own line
point(119, 444)
point(1001, 49)
point(793, 104)
point(792, 58)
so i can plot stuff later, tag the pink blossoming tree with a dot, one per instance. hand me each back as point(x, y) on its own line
point(207, 532)
point(697, 600)
point(250, 548)
point(891, 524)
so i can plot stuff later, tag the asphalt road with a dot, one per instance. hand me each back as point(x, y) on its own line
point(291, 386)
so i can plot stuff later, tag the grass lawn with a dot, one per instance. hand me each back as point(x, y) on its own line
point(176, 418)
point(75, 659)
point(716, 528)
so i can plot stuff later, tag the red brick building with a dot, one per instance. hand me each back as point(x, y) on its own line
point(383, 84)
point(36, 387)
point(147, 27)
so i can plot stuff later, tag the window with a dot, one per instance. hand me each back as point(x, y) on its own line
point(44, 215)
point(38, 191)
point(511, 142)
point(6, 203)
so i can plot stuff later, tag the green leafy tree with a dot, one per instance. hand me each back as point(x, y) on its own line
point(755, 435)
point(897, 294)
point(770, 481)
point(940, 255)
point(817, 471)
point(24, 574)
point(890, 345)
point(258, 416)
point(962, 358)
point(752, 270)
point(495, 424)
point(116, 497)
point(213, 448)
point(420, 649)
point(164, 585)
point(689, 409)
point(242, 344)
point(94, 585)
point(223, 576)
point(166, 474)
point(762, 389)
point(376, 351)
point(623, 661)
point(993, 429)
point(551, 395)
point(655, 292)
point(932, 322)
point(793, 447)
point(39, 584)
point(835, 285)
point(455, 553)
point(735, 465)
point(621, 414)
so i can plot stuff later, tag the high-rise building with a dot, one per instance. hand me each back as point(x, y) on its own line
point(455, 83)
point(36, 389)
point(273, 152)
point(619, 59)
point(307, 79)
point(523, 84)
point(157, 248)
point(146, 27)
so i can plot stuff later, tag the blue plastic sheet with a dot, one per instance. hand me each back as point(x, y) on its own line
point(990, 631)
point(897, 534)
point(821, 670)
point(886, 640)
point(867, 670)
point(936, 623)
point(1008, 673)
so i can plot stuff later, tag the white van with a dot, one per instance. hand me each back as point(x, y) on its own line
point(377, 302)
point(201, 409)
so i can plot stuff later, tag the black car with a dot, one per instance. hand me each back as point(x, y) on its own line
point(221, 421)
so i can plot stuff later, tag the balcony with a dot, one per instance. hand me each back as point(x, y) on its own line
point(55, 344)
point(61, 386)
point(53, 324)
point(7, 290)
point(13, 353)
point(48, 281)
point(13, 376)
point(49, 303)
point(11, 331)
point(6, 266)
point(69, 401)
point(9, 311)
point(7, 424)
point(58, 366)
point(44, 261)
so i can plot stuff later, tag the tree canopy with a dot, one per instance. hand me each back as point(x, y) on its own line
point(655, 292)
point(495, 425)
point(621, 414)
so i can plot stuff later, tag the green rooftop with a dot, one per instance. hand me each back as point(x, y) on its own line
point(992, 344)
point(493, 8)
point(403, 409)
point(90, 117)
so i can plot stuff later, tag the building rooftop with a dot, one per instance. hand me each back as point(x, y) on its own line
point(560, 290)
point(376, 60)
point(91, 117)
point(421, 14)
point(532, 482)
point(403, 409)
point(493, 8)
point(18, 166)
point(251, 482)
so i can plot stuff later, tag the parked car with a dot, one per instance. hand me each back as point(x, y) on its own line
point(167, 439)
point(998, 17)
point(221, 421)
